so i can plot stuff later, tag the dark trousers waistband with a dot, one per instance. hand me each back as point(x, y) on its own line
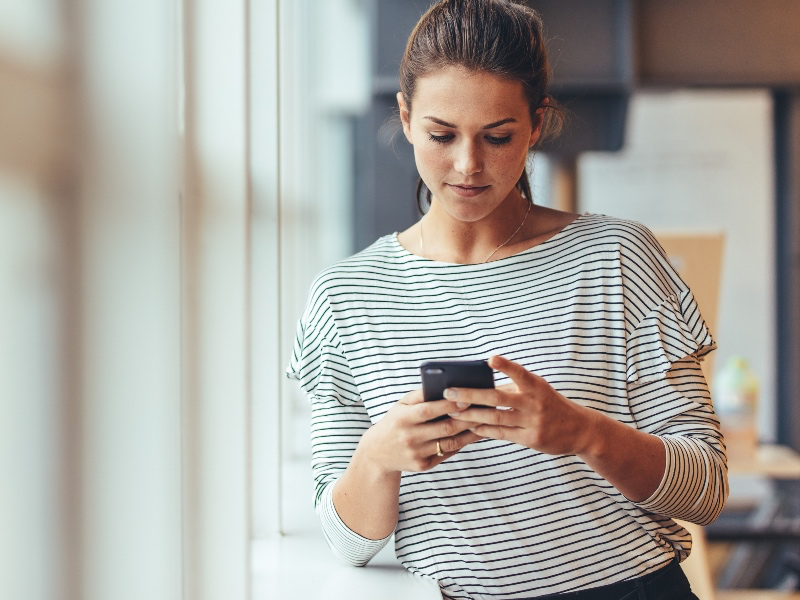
point(668, 583)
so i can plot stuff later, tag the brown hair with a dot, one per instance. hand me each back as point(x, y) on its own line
point(500, 37)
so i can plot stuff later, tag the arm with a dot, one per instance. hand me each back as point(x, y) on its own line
point(366, 494)
point(357, 466)
point(338, 421)
point(689, 479)
point(631, 460)
point(336, 428)
point(673, 469)
point(695, 483)
point(544, 420)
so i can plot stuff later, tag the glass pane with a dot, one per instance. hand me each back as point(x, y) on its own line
point(324, 88)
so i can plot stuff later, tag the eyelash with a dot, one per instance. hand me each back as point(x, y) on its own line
point(495, 141)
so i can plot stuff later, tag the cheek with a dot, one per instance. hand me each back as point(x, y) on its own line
point(511, 164)
point(522, 158)
point(430, 158)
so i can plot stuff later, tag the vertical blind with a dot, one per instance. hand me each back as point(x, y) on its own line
point(141, 285)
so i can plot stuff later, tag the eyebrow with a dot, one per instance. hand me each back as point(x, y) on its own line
point(489, 126)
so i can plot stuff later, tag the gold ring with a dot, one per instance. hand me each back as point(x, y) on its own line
point(439, 449)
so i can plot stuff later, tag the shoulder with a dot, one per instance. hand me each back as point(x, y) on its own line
point(640, 256)
point(614, 230)
point(643, 263)
point(334, 289)
point(385, 255)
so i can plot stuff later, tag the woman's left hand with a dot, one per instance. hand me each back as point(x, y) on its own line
point(540, 418)
point(536, 415)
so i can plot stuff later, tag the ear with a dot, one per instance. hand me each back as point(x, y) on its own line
point(405, 117)
point(536, 131)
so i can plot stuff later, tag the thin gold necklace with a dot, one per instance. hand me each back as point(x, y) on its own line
point(491, 254)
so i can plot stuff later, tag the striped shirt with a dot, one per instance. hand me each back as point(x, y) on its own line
point(599, 312)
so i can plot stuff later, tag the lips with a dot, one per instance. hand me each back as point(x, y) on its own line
point(468, 191)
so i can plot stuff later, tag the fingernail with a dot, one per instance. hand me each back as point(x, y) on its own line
point(451, 394)
point(462, 405)
point(454, 414)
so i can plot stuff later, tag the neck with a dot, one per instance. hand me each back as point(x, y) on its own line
point(449, 239)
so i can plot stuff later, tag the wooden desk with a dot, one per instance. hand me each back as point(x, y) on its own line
point(773, 461)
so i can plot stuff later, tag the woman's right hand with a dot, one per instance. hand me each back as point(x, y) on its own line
point(405, 438)
point(366, 496)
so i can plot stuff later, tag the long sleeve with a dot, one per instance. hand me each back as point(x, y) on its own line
point(677, 408)
point(335, 433)
point(668, 396)
point(338, 420)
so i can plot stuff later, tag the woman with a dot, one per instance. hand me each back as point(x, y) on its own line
point(607, 431)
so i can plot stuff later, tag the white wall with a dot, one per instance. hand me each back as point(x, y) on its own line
point(703, 160)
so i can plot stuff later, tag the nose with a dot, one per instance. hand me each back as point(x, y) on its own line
point(468, 160)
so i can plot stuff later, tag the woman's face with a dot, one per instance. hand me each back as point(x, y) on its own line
point(471, 133)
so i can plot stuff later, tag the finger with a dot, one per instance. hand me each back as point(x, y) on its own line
point(457, 442)
point(412, 397)
point(515, 371)
point(436, 460)
point(450, 445)
point(498, 432)
point(487, 416)
point(464, 397)
point(426, 411)
point(435, 430)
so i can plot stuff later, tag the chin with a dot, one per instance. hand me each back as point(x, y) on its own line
point(469, 211)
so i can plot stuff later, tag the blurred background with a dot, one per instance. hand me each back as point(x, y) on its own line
point(174, 174)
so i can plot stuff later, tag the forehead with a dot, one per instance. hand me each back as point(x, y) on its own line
point(456, 94)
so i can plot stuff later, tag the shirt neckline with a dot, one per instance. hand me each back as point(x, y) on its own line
point(402, 250)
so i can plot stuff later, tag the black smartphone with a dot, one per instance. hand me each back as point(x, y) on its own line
point(438, 375)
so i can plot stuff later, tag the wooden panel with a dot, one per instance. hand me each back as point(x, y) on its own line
point(697, 567)
point(719, 42)
point(32, 119)
point(698, 259)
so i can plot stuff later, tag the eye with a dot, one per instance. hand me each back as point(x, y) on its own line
point(441, 139)
point(498, 141)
